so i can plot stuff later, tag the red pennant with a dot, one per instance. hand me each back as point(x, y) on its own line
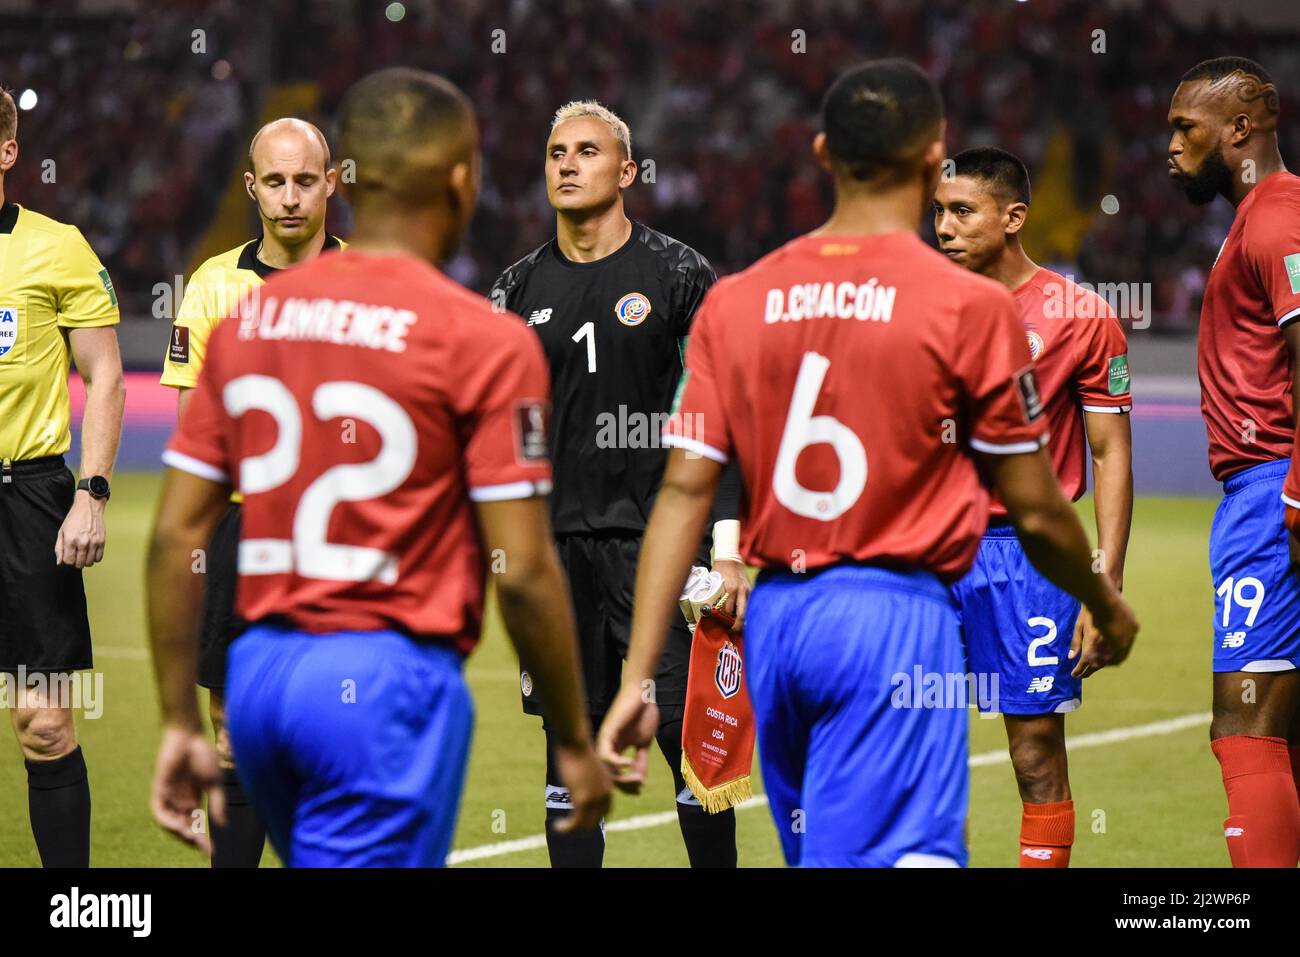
point(718, 728)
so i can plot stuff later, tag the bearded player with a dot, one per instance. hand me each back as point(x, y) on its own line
point(291, 179)
point(1017, 624)
point(612, 302)
point(827, 371)
point(387, 430)
point(1224, 116)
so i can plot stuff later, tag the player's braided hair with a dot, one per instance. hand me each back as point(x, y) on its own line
point(877, 118)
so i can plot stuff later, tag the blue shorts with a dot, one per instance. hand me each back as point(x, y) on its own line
point(1018, 627)
point(1256, 593)
point(861, 737)
point(352, 746)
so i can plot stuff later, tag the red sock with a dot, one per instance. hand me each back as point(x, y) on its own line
point(1263, 825)
point(1046, 834)
point(1295, 765)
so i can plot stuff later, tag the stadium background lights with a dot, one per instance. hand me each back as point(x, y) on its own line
point(27, 99)
point(395, 11)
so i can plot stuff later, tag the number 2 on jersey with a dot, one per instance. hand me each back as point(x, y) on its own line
point(309, 554)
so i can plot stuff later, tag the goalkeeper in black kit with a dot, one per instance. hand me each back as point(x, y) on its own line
point(612, 302)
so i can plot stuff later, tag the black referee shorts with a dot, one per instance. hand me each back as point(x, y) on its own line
point(43, 623)
point(220, 624)
point(602, 579)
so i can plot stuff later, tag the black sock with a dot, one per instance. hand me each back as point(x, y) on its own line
point(575, 848)
point(710, 838)
point(240, 841)
point(58, 800)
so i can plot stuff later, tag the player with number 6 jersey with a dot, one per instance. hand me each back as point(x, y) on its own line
point(386, 428)
point(854, 375)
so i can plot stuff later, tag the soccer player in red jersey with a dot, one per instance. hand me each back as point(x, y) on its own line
point(1017, 624)
point(1224, 116)
point(856, 376)
point(387, 430)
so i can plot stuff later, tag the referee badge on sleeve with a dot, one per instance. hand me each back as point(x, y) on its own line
point(530, 432)
point(180, 347)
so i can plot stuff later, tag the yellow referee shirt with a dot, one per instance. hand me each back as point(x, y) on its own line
point(50, 281)
point(212, 294)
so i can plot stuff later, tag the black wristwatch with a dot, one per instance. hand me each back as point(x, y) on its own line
point(96, 485)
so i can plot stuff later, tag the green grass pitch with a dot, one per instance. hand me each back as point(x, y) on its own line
point(1141, 800)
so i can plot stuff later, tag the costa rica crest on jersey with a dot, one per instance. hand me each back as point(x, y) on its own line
point(1035, 344)
point(727, 674)
point(8, 328)
point(632, 309)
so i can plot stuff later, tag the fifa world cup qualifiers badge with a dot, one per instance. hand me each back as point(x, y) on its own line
point(179, 352)
point(1031, 398)
point(530, 431)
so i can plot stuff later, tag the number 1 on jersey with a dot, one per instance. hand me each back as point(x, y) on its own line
point(588, 329)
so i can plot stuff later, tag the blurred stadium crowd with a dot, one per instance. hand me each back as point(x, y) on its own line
point(147, 133)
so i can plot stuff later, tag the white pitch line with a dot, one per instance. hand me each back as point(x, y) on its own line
point(1093, 739)
point(1097, 738)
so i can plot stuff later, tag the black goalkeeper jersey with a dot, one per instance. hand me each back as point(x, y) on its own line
point(614, 332)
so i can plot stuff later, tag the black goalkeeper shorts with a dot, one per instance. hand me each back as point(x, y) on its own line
point(43, 623)
point(602, 580)
point(220, 625)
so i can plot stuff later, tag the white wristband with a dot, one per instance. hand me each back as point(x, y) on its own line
point(726, 540)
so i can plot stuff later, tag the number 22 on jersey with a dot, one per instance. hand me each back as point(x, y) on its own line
point(309, 554)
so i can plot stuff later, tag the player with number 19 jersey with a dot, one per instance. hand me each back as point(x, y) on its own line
point(851, 377)
point(1253, 291)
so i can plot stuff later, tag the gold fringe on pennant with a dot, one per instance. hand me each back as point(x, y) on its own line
point(719, 799)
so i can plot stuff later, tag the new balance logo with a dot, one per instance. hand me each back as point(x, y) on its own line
point(1041, 684)
point(539, 316)
point(1233, 831)
point(1037, 853)
point(1234, 639)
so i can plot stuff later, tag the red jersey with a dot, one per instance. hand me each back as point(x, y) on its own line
point(361, 404)
point(1081, 363)
point(1244, 365)
point(851, 376)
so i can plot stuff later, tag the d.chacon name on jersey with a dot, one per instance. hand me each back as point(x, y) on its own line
point(831, 300)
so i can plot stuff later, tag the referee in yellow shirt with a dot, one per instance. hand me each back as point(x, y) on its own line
point(290, 178)
point(56, 304)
